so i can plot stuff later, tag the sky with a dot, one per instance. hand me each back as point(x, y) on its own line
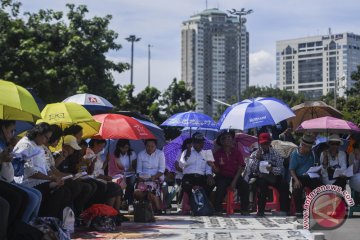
point(158, 23)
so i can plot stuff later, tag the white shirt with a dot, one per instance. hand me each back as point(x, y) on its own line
point(197, 162)
point(125, 161)
point(150, 164)
point(339, 159)
point(99, 163)
point(35, 161)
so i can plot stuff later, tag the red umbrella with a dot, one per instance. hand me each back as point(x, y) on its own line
point(116, 126)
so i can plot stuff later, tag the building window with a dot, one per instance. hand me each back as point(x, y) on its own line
point(310, 70)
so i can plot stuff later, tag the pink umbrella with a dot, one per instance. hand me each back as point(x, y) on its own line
point(329, 125)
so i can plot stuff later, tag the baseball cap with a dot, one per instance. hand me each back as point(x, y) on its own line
point(71, 141)
point(264, 138)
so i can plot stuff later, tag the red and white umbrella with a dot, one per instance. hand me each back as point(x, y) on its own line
point(117, 126)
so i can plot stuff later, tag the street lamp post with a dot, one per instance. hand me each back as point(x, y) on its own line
point(242, 20)
point(132, 39)
point(336, 83)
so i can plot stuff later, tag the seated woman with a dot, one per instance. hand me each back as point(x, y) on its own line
point(36, 171)
point(331, 159)
point(150, 169)
point(23, 199)
point(113, 193)
point(81, 191)
point(123, 161)
point(354, 158)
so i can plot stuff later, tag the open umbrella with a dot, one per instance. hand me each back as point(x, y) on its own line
point(256, 112)
point(328, 125)
point(172, 150)
point(312, 109)
point(17, 103)
point(209, 133)
point(91, 102)
point(67, 113)
point(190, 119)
point(116, 126)
point(244, 142)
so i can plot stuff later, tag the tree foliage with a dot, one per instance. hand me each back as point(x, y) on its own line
point(177, 98)
point(290, 98)
point(58, 54)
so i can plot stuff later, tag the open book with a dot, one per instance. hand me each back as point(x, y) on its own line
point(313, 172)
point(348, 172)
point(262, 166)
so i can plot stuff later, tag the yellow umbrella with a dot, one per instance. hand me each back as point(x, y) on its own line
point(16, 103)
point(67, 113)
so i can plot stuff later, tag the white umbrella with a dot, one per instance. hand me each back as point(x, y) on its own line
point(256, 112)
point(91, 102)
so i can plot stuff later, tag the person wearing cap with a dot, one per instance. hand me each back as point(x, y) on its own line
point(81, 191)
point(300, 161)
point(197, 166)
point(229, 165)
point(331, 159)
point(272, 176)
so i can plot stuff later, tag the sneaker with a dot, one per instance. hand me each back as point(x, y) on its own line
point(131, 209)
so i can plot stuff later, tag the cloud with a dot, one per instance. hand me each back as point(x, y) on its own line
point(262, 68)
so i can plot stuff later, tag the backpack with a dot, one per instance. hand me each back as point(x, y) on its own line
point(200, 204)
point(105, 223)
point(143, 212)
point(51, 228)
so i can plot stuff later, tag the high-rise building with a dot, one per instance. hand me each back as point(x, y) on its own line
point(312, 65)
point(215, 57)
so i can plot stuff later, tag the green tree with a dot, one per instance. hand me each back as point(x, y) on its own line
point(56, 55)
point(290, 98)
point(177, 98)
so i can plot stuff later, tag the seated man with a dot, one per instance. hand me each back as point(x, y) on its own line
point(331, 159)
point(229, 165)
point(300, 161)
point(196, 165)
point(272, 170)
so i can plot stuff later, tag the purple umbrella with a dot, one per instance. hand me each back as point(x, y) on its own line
point(172, 150)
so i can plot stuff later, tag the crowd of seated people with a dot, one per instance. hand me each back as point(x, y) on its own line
point(60, 169)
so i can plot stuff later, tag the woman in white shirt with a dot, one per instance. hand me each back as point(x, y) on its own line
point(123, 161)
point(113, 191)
point(55, 197)
point(150, 169)
point(331, 159)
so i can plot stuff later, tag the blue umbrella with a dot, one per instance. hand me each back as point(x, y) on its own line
point(190, 119)
point(256, 112)
point(172, 150)
point(209, 133)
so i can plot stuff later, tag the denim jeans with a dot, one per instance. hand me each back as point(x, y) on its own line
point(34, 202)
